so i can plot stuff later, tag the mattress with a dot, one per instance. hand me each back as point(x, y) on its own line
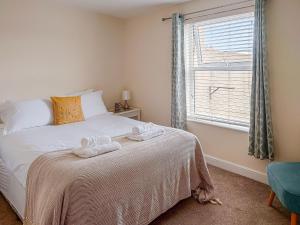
point(20, 149)
point(12, 190)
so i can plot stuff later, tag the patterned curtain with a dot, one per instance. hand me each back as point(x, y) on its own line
point(178, 107)
point(260, 134)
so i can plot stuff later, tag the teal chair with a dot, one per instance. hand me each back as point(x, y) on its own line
point(284, 180)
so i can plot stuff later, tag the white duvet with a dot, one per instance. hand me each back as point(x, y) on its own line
point(20, 149)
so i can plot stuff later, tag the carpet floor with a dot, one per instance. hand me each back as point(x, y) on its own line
point(244, 203)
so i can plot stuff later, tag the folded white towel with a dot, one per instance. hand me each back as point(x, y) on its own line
point(89, 142)
point(147, 135)
point(143, 128)
point(97, 150)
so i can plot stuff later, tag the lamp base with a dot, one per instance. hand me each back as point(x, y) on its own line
point(126, 106)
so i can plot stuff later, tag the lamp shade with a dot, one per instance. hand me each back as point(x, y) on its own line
point(125, 95)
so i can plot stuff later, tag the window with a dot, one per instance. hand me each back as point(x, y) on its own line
point(218, 55)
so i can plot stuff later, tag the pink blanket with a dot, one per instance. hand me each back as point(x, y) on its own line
point(131, 186)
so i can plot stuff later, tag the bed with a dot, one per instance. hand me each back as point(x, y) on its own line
point(178, 171)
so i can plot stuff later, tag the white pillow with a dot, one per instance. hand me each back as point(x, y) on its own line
point(26, 114)
point(92, 104)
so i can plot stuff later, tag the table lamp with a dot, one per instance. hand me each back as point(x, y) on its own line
point(126, 97)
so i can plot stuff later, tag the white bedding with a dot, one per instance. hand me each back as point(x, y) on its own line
point(20, 149)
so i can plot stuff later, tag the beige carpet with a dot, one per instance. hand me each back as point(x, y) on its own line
point(244, 203)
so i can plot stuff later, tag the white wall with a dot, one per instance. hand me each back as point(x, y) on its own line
point(48, 48)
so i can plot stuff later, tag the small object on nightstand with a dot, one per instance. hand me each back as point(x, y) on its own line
point(126, 97)
point(118, 107)
point(134, 113)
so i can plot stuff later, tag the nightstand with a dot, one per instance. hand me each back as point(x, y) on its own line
point(134, 113)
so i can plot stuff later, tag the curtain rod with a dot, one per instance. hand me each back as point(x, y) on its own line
point(216, 13)
point(218, 7)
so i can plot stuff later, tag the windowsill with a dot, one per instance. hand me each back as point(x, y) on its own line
point(222, 125)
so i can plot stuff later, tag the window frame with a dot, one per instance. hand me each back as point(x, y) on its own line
point(239, 66)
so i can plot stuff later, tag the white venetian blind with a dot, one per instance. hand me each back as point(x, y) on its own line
point(218, 54)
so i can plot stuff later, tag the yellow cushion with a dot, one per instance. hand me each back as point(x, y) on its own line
point(67, 109)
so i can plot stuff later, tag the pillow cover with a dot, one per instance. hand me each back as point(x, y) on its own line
point(92, 104)
point(25, 114)
point(67, 109)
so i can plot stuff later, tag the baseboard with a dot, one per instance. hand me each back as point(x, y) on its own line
point(236, 168)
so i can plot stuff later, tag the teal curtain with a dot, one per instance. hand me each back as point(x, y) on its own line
point(178, 106)
point(260, 133)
